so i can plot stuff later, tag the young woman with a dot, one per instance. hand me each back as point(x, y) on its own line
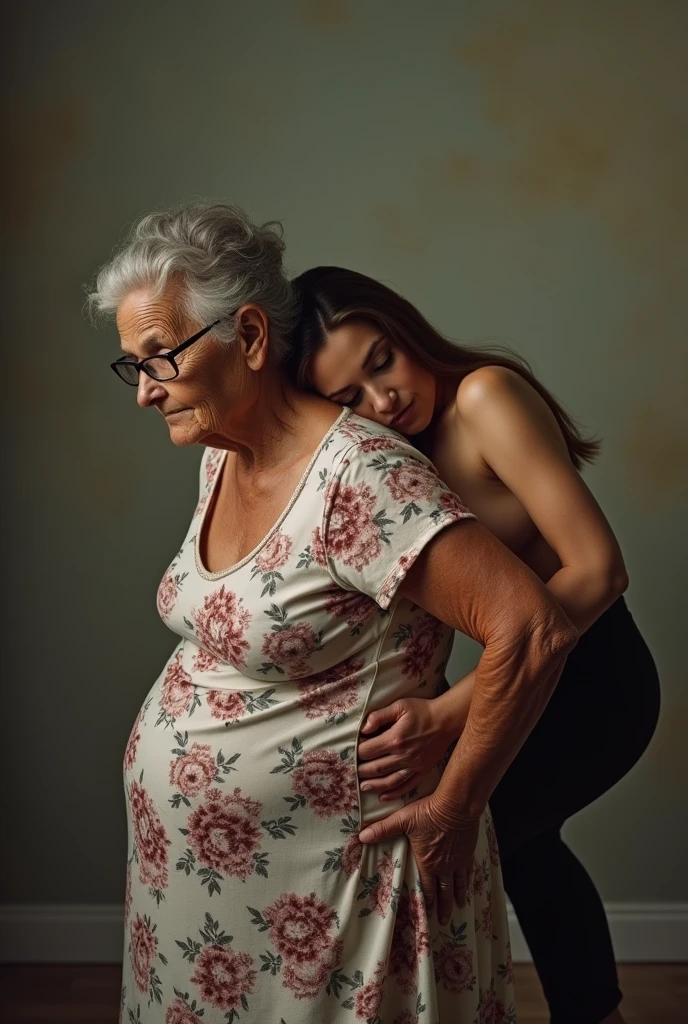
point(503, 443)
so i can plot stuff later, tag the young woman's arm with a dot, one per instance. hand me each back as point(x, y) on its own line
point(520, 441)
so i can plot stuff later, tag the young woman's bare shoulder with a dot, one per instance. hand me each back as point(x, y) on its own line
point(497, 405)
point(489, 385)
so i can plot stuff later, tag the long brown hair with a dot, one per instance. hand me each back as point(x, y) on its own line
point(329, 296)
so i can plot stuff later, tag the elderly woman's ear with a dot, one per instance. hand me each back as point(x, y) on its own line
point(254, 336)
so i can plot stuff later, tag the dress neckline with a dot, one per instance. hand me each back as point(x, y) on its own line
point(200, 568)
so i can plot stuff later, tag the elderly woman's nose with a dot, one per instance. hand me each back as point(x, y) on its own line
point(148, 390)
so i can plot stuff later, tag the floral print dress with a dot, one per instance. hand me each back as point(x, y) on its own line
point(249, 897)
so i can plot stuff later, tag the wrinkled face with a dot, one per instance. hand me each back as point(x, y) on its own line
point(359, 367)
point(197, 404)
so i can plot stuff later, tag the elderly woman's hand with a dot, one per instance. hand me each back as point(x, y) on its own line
point(443, 847)
point(415, 736)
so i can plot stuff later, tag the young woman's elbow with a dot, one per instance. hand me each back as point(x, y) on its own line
point(609, 576)
point(617, 581)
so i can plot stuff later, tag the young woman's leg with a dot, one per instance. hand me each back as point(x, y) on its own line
point(597, 725)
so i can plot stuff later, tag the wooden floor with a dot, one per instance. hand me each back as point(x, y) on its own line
point(655, 994)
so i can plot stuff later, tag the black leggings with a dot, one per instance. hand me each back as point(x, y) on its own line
point(596, 726)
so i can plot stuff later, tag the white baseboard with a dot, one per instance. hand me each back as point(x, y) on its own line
point(82, 933)
point(641, 933)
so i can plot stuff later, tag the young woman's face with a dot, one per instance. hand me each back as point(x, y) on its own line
point(360, 367)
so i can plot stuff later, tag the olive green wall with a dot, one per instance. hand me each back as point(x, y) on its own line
point(517, 169)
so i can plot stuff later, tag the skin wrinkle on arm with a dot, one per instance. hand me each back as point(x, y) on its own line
point(526, 637)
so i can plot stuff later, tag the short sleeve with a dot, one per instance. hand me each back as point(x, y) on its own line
point(383, 504)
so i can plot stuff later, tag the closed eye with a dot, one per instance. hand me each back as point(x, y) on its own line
point(351, 403)
point(386, 363)
point(356, 399)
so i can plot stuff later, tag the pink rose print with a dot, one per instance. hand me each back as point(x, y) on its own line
point(150, 838)
point(193, 772)
point(368, 999)
point(179, 1013)
point(318, 547)
point(212, 465)
point(452, 503)
point(410, 941)
point(491, 1010)
point(406, 1018)
point(143, 949)
point(300, 927)
point(454, 968)
point(132, 744)
point(506, 970)
point(224, 976)
point(306, 980)
point(204, 661)
point(127, 895)
point(486, 922)
point(291, 647)
point(353, 535)
point(492, 842)
point(377, 444)
point(275, 554)
point(332, 692)
point(177, 690)
point(411, 482)
point(200, 506)
point(356, 608)
point(327, 782)
point(353, 431)
point(420, 647)
point(380, 895)
point(221, 625)
point(226, 705)
point(351, 856)
point(168, 592)
point(479, 877)
point(389, 587)
point(224, 834)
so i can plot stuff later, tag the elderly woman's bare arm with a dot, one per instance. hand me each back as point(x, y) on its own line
point(471, 581)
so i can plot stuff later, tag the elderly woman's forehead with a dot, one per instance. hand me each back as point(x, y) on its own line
point(143, 309)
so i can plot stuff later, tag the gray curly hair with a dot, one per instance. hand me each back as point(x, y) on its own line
point(223, 259)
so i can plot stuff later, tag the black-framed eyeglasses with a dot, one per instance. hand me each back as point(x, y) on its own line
point(161, 367)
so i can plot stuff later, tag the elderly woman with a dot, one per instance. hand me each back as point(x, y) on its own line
point(321, 577)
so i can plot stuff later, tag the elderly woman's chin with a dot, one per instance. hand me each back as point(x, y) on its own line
point(184, 428)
